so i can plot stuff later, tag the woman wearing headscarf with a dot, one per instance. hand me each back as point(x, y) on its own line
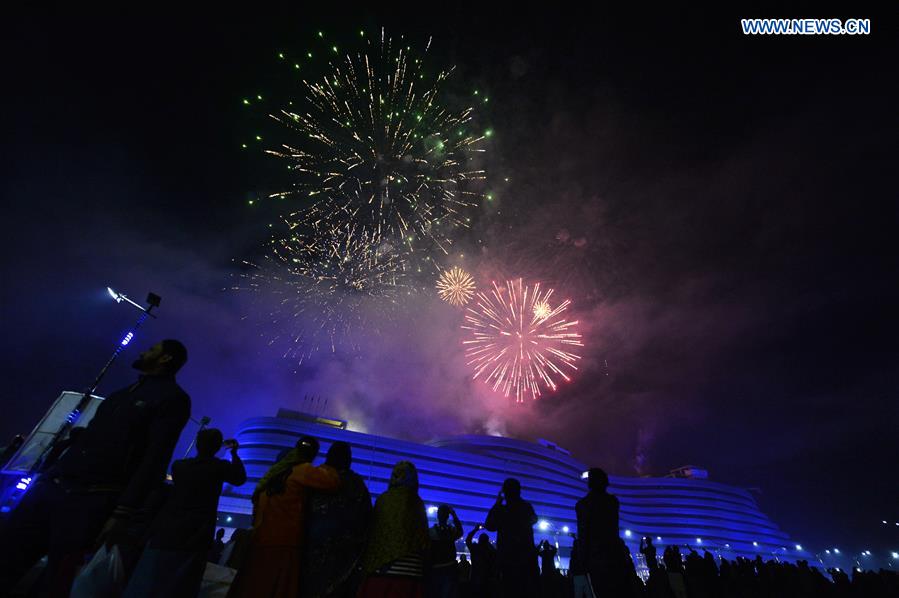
point(336, 532)
point(394, 558)
point(272, 565)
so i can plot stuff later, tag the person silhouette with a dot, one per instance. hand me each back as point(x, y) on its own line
point(181, 537)
point(393, 561)
point(336, 533)
point(464, 573)
point(10, 449)
point(598, 540)
point(648, 550)
point(483, 562)
point(218, 546)
point(513, 521)
point(273, 562)
point(442, 577)
point(96, 491)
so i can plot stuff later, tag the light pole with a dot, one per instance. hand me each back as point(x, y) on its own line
point(153, 301)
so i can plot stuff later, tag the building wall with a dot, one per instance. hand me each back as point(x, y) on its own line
point(467, 472)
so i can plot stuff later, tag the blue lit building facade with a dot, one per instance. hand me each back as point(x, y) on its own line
point(466, 472)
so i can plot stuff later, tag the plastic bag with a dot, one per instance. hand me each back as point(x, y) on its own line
point(216, 581)
point(103, 576)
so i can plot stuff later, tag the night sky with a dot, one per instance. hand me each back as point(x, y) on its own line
point(720, 208)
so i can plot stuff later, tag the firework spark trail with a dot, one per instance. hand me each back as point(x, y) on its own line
point(322, 281)
point(373, 140)
point(455, 286)
point(514, 349)
point(384, 177)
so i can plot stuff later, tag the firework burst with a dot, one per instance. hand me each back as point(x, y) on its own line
point(328, 286)
point(513, 349)
point(370, 144)
point(455, 286)
point(542, 310)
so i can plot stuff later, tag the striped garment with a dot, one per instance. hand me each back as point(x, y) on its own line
point(411, 565)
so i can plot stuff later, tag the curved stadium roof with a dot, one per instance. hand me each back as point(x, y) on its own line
point(467, 472)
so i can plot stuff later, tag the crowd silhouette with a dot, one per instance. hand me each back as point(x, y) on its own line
point(109, 526)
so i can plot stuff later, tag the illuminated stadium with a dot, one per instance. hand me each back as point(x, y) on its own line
point(683, 508)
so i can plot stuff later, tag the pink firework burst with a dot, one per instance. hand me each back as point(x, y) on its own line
point(518, 342)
